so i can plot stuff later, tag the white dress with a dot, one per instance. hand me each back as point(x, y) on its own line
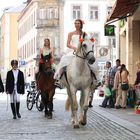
point(67, 58)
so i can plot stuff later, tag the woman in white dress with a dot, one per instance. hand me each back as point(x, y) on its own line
point(72, 44)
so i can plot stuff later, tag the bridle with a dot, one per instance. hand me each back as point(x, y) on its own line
point(46, 68)
point(85, 54)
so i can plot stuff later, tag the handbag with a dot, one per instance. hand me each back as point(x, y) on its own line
point(124, 86)
point(107, 92)
point(101, 92)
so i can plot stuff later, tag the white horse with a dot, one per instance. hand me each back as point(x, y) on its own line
point(78, 77)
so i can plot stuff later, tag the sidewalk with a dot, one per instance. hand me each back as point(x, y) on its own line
point(124, 117)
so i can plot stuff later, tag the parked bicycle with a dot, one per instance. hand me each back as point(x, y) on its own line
point(34, 97)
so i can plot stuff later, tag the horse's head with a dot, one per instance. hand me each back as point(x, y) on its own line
point(46, 61)
point(86, 48)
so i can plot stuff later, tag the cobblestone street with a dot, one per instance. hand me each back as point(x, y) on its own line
point(33, 125)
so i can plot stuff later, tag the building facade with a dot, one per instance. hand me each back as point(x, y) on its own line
point(9, 38)
point(38, 20)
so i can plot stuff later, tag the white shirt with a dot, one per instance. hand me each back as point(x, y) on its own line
point(15, 73)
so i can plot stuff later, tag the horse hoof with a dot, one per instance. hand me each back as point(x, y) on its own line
point(83, 123)
point(76, 126)
point(49, 117)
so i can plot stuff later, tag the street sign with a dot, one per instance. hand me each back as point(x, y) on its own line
point(109, 30)
point(22, 62)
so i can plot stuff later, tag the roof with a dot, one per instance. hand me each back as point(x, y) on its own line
point(122, 9)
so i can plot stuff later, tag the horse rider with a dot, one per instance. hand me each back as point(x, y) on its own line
point(72, 43)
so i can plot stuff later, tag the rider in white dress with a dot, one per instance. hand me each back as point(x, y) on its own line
point(72, 43)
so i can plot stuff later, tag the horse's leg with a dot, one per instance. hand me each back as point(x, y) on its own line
point(45, 102)
point(84, 108)
point(82, 98)
point(74, 107)
point(50, 108)
point(50, 103)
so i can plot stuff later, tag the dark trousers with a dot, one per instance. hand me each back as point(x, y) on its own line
point(108, 99)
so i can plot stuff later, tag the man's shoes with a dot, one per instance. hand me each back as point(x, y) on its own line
point(101, 106)
point(117, 107)
point(58, 84)
point(123, 107)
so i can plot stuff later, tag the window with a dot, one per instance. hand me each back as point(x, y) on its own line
point(50, 13)
point(42, 14)
point(56, 12)
point(76, 12)
point(109, 8)
point(93, 12)
point(111, 42)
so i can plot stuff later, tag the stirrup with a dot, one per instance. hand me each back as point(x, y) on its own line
point(58, 84)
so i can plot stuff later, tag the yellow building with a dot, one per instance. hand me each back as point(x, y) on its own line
point(9, 38)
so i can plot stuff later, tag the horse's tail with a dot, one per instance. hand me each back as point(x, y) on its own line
point(67, 105)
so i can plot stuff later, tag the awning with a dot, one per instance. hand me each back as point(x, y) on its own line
point(122, 9)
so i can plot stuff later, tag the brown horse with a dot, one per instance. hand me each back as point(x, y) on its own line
point(45, 83)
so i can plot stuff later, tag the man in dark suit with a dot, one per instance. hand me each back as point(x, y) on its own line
point(15, 86)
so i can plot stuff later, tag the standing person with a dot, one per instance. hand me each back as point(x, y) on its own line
point(114, 70)
point(116, 83)
point(122, 93)
point(15, 86)
point(1, 85)
point(72, 43)
point(109, 81)
point(28, 82)
point(137, 81)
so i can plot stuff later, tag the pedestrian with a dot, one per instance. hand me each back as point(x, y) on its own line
point(72, 43)
point(114, 70)
point(116, 83)
point(109, 81)
point(123, 88)
point(1, 85)
point(28, 82)
point(15, 86)
point(137, 81)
